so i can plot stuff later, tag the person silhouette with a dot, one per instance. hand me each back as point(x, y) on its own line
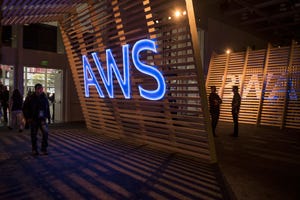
point(214, 108)
point(38, 114)
point(235, 109)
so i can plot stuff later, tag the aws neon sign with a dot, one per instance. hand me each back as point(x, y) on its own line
point(90, 79)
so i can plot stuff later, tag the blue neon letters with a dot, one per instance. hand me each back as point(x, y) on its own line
point(124, 82)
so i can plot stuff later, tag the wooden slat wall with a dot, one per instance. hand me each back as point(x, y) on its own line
point(234, 74)
point(216, 72)
point(292, 118)
point(275, 89)
point(269, 85)
point(252, 87)
point(177, 121)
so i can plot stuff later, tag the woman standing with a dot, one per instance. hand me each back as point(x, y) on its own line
point(15, 105)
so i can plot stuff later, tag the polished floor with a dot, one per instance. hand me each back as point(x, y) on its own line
point(263, 163)
point(84, 165)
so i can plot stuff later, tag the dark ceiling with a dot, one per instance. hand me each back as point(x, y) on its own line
point(276, 21)
point(37, 11)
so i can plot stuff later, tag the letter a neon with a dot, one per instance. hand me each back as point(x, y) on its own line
point(89, 78)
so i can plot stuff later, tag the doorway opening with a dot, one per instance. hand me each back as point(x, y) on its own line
point(51, 79)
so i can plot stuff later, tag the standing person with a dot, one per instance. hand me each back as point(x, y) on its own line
point(26, 108)
point(236, 103)
point(37, 116)
point(52, 100)
point(214, 108)
point(16, 114)
point(4, 103)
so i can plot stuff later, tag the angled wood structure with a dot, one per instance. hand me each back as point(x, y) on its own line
point(269, 82)
point(179, 120)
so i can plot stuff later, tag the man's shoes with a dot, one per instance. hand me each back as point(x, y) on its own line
point(10, 128)
point(20, 130)
point(234, 135)
point(35, 153)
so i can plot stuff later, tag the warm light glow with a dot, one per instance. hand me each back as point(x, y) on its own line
point(169, 17)
point(184, 12)
point(228, 51)
point(156, 21)
point(177, 14)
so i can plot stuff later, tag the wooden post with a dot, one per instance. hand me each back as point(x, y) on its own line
point(244, 71)
point(288, 86)
point(225, 76)
point(264, 83)
point(201, 83)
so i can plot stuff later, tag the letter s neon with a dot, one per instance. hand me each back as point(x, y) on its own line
point(143, 45)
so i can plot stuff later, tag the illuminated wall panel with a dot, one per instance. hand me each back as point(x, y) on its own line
point(275, 89)
point(252, 84)
point(268, 82)
point(292, 118)
point(177, 121)
point(233, 76)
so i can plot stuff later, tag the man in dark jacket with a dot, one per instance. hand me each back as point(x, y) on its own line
point(214, 108)
point(37, 115)
point(235, 105)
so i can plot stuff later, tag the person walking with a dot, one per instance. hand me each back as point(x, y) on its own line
point(214, 108)
point(38, 113)
point(236, 103)
point(16, 113)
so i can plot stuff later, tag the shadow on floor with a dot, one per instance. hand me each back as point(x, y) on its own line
point(84, 165)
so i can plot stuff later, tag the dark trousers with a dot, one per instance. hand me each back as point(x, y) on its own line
point(5, 107)
point(235, 118)
point(35, 126)
point(214, 121)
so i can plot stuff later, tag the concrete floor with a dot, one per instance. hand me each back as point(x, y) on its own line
point(263, 163)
